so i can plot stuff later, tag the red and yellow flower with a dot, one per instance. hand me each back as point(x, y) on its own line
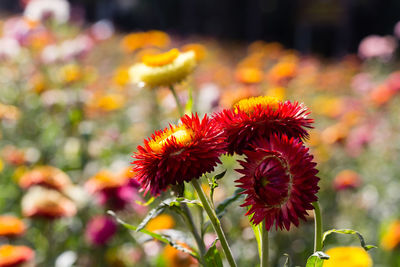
point(45, 176)
point(257, 117)
point(179, 153)
point(12, 256)
point(42, 202)
point(279, 181)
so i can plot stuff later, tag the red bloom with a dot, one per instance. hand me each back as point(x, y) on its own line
point(15, 255)
point(179, 153)
point(279, 180)
point(259, 117)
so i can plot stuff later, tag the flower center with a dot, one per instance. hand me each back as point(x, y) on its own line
point(248, 105)
point(6, 250)
point(181, 134)
point(272, 182)
point(160, 59)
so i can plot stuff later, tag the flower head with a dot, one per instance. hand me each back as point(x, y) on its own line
point(179, 153)
point(100, 230)
point(258, 117)
point(177, 258)
point(11, 226)
point(115, 190)
point(46, 176)
point(15, 255)
point(348, 257)
point(346, 179)
point(279, 181)
point(161, 222)
point(163, 69)
point(43, 202)
point(391, 239)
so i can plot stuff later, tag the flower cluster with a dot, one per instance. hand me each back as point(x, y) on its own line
point(279, 176)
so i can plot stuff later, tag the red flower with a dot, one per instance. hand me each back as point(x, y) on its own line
point(259, 117)
point(279, 180)
point(179, 153)
point(15, 255)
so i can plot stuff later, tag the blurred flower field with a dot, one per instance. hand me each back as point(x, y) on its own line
point(77, 100)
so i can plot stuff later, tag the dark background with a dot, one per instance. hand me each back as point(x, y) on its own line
point(328, 27)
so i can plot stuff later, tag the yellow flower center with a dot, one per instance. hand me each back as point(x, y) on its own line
point(160, 59)
point(6, 251)
point(182, 135)
point(248, 105)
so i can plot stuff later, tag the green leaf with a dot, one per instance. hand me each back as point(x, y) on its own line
point(317, 259)
point(213, 183)
point(257, 234)
point(173, 203)
point(147, 203)
point(348, 232)
point(221, 208)
point(212, 257)
point(287, 262)
point(159, 237)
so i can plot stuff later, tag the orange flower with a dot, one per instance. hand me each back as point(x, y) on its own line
point(391, 238)
point(177, 258)
point(161, 222)
point(381, 95)
point(13, 155)
point(9, 112)
point(134, 41)
point(249, 75)
point(346, 179)
point(11, 226)
point(15, 255)
point(121, 77)
point(43, 202)
point(198, 49)
point(46, 176)
point(282, 72)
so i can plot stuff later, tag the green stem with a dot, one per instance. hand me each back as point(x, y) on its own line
point(178, 103)
point(318, 227)
point(192, 227)
point(264, 246)
point(215, 222)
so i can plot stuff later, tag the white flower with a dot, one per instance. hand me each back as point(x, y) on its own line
point(38, 10)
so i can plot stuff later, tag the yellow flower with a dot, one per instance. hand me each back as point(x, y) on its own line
point(110, 102)
point(163, 69)
point(278, 92)
point(9, 112)
point(391, 239)
point(249, 104)
point(70, 73)
point(121, 77)
point(161, 222)
point(348, 257)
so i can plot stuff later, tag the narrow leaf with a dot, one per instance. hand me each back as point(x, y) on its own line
point(212, 257)
point(213, 183)
point(221, 208)
point(348, 232)
point(165, 239)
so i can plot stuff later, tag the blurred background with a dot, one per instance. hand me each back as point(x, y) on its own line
point(327, 27)
point(72, 114)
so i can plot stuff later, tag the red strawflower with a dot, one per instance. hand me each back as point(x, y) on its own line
point(259, 117)
point(179, 153)
point(279, 181)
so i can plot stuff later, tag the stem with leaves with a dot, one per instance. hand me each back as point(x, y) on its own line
point(318, 227)
point(215, 222)
point(264, 246)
